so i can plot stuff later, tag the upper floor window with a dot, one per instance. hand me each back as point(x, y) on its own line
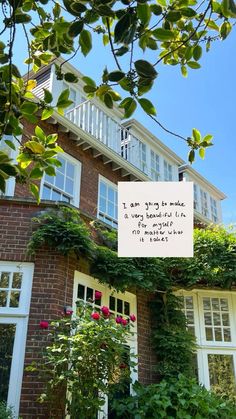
point(155, 166)
point(107, 202)
point(204, 203)
point(168, 172)
point(195, 197)
point(216, 319)
point(143, 156)
point(214, 214)
point(75, 96)
point(66, 184)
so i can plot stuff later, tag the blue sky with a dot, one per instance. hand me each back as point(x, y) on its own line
point(205, 100)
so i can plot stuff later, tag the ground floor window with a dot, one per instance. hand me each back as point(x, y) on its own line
point(15, 293)
point(120, 304)
point(211, 316)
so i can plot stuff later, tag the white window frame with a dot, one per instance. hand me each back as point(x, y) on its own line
point(77, 180)
point(155, 165)
point(19, 317)
point(114, 221)
point(195, 197)
point(86, 280)
point(143, 156)
point(204, 347)
point(214, 210)
point(204, 203)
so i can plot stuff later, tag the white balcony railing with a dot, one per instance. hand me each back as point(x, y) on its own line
point(93, 120)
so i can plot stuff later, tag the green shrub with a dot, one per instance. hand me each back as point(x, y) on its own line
point(5, 411)
point(180, 398)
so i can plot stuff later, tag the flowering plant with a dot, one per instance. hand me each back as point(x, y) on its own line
point(86, 360)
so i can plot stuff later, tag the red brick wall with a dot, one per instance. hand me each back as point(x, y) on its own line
point(50, 293)
point(91, 168)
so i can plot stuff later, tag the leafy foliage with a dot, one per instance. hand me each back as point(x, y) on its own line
point(180, 398)
point(87, 357)
point(63, 230)
point(5, 411)
point(148, 33)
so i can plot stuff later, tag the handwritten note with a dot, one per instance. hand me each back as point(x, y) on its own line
point(155, 219)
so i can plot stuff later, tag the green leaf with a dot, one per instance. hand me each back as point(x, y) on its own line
point(35, 147)
point(22, 17)
point(28, 108)
point(191, 156)
point(129, 105)
point(144, 85)
point(40, 133)
point(50, 171)
point(145, 69)
point(156, 9)
point(47, 113)
point(105, 39)
point(108, 100)
point(75, 28)
point(36, 173)
point(121, 28)
point(64, 96)
point(10, 144)
point(197, 52)
point(116, 76)
point(173, 16)
point(208, 138)
point(184, 71)
point(85, 41)
point(89, 81)
point(202, 152)
point(188, 12)
point(71, 78)
point(163, 34)
point(196, 135)
point(225, 29)
point(193, 64)
point(144, 13)
point(35, 191)
point(147, 106)
point(228, 8)
point(47, 96)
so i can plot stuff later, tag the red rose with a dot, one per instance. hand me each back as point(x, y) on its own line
point(124, 322)
point(68, 312)
point(43, 324)
point(105, 311)
point(95, 316)
point(98, 295)
point(123, 366)
point(118, 319)
point(132, 318)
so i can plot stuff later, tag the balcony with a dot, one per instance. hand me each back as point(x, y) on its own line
point(93, 120)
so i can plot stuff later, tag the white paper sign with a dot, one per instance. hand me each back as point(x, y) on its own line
point(155, 219)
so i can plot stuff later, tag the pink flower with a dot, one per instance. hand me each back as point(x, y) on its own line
point(43, 325)
point(118, 319)
point(98, 295)
point(132, 318)
point(124, 322)
point(105, 311)
point(95, 316)
point(68, 312)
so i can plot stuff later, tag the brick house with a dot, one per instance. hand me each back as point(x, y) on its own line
point(99, 151)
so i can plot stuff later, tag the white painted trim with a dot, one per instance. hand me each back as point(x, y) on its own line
point(77, 181)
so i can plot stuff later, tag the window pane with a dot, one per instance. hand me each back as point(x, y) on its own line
point(111, 209)
point(215, 304)
point(5, 280)
point(46, 192)
point(80, 292)
point(56, 196)
point(89, 294)
point(59, 183)
point(103, 189)
point(63, 165)
point(227, 335)
point(14, 299)
point(111, 195)
point(225, 319)
point(17, 280)
point(69, 186)
point(216, 319)
point(209, 334)
point(3, 298)
point(189, 302)
point(70, 170)
point(207, 318)
point(224, 304)
point(127, 309)
point(119, 305)
point(49, 179)
point(218, 334)
point(206, 304)
point(7, 336)
point(221, 374)
point(112, 303)
point(102, 204)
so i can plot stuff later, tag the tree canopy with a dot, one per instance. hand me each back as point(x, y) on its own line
point(141, 35)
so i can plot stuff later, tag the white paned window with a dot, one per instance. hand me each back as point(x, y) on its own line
point(107, 202)
point(15, 294)
point(214, 215)
point(204, 203)
point(143, 156)
point(168, 172)
point(65, 186)
point(216, 319)
point(212, 316)
point(75, 96)
point(155, 166)
point(195, 197)
point(121, 304)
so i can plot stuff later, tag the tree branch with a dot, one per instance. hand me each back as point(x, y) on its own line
point(111, 44)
